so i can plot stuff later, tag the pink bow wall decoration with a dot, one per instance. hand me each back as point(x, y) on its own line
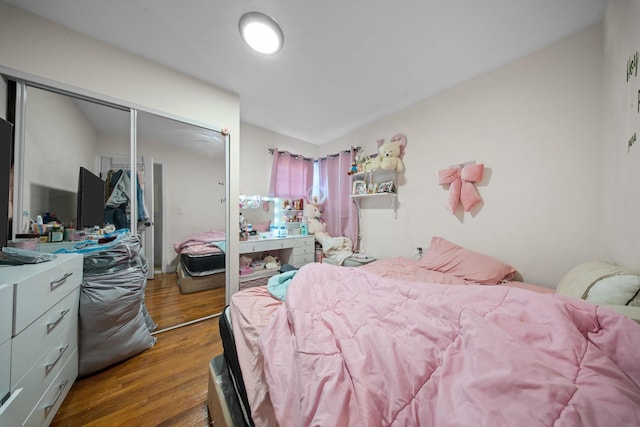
point(461, 185)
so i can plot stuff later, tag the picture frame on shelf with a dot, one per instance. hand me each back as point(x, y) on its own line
point(359, 187)
point(385, 187)
point(372, 187)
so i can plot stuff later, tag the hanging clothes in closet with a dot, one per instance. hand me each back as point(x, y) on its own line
point(117, 209)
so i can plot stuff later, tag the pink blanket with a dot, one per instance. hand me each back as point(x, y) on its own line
point(349, 347)
point(207, 242)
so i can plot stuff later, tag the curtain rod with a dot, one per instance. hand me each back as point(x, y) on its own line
point(358, 148)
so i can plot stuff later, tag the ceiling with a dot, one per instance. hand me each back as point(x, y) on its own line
point(345, 63)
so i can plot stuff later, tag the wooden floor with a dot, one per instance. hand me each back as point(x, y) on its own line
point(169, 307)
point(163, 386)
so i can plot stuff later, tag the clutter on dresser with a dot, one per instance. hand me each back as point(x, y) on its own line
point(18, 256)
point(286, 219)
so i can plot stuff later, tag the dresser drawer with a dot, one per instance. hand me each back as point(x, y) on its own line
point(43, 412)
point(254, 246)
point(10, 411)
point(45, 285)
point(304, 250)
point(54, 330)
point(43, 373)
point(300, 260)
point(5, 369)
point(275, 245)
point(6, 311)
point(305, 242)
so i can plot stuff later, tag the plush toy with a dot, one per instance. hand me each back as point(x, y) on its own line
point(271, 262)
point(245, 261)
point(369, 164)
point(390, 153)
point(354, 169)
point(314, 225)
point(337, 248)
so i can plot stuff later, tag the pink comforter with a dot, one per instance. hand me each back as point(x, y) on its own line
point(351, 348)
point(200, 244)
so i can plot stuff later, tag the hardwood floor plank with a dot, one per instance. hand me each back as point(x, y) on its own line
point(169, 307)
point(163, 386)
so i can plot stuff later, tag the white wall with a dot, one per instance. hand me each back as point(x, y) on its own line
point(58, 140)
point(620, 233)
point(536, 125)
point(41, 48)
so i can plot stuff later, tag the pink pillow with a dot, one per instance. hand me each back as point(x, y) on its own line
point(447, 257)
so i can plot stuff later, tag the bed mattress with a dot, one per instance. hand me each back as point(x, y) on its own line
point(239, 397)
point(224, 407)
point(189, 284)
point(202, 264)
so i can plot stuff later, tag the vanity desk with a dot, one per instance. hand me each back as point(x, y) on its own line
point(295, 250)
point(39, 360)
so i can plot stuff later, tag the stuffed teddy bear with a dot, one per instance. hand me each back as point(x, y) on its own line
point(314, 225)
point(331, 246)
point(389, 153)
point(271, 262)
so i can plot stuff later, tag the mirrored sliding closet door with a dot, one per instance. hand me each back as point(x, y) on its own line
point(177, 174)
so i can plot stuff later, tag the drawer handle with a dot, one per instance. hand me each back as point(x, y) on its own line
point(59, 282)
point(50, 406)
point(52, 326)
point(51, 365)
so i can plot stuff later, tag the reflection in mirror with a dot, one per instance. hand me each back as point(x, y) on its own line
point(59, 138)
point(185, 166)
point(182, 171)
point(259, 215)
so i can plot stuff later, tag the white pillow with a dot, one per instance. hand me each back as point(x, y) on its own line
point(615, 290)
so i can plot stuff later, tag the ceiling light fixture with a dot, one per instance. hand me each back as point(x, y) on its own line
point(261, 33)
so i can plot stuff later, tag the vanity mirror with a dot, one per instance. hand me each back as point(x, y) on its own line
point(180, 173)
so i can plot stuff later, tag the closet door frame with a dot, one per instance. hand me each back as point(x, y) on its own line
point(23, 80)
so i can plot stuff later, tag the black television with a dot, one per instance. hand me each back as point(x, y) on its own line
point(90, 207)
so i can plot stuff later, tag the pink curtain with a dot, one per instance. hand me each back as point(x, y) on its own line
point(339, 211)
point(291, 175)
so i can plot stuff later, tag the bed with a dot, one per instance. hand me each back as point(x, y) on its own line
point(201, 263)
point(388, 344)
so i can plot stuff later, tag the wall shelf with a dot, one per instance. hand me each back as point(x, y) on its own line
point(375, 179)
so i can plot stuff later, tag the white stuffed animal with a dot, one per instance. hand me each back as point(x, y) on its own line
point(390, 154)
point(337, 248)
point(314, 225)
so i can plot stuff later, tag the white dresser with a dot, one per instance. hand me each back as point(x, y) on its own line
point(43, 361)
